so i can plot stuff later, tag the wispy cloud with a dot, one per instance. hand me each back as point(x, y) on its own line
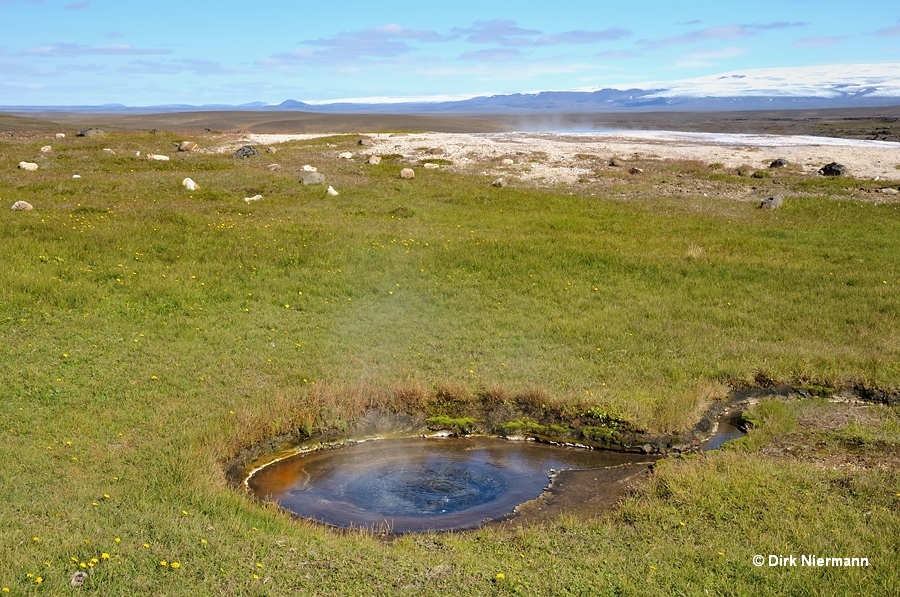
point(724, 32)
point(582, 37)
point(70, 50)
point(196, 66)
point(500, 32)
point(889, 31)
point(819, 41)
point(78, 5)
point(619, 54)
point(492, 55)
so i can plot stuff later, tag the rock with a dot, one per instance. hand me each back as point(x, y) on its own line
point(60, 135)
point(189, 184)
point(507, 162)
point(407, 174)
point(46, 149)
point(332, 192)
point(89, 132)
point(648, 448)
point(271, 149)
point(436, 151)
point(635, 171)
point(771, 203)
point(779, 163)
point(29, 166)
point(188, 146)
point(615, 163)
point(253, 198)
point(500, 182)
point(137, 154)
point(345, 155)
point(313, 178)
point(108, 151)
point(22, 206)
point(273, 167)
point(76, 176)
point(157, 157)
point(364, 141)
point(245, 152)
point(430, 166)
point(889, 191)
point(308, 168)
point(78, 577)
point(833, 169)
point(375, 160)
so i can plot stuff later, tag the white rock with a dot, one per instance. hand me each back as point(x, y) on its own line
point(22, 206)
point(345, 155)
point(46, 149)
point(430, 166)
point(332, 192)
point(507, 162)
point(60, 135)
point(76, 176)
point(253, 198)
point(375, 160)
point(308, 168)
point(188, 146)
point(29, 166)
point(158, 158)
point(273, 167)
point(271, 150)
point(108, 151)
point(407, 173)
point(189, 184)
point(137, 154)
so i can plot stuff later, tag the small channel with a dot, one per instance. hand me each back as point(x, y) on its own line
point(417, 484)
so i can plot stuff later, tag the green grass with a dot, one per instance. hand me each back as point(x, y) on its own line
point(148, 333)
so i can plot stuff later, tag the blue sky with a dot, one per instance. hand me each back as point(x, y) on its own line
point(65, 52)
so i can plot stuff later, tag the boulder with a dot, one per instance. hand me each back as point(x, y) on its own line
point(313, 178)
point(364, 141)
point(779, 163)
point(271, 149)
point(60, 135)
point(108, 151)
point(46, 149)
point(430, 166)
point(500, 182)
point(407, 174)
point(189, 184)
point(273, 167)
point(330, 191)
point(833, 169)
point(345, 155)
point(22, 206)
point(29, 166)
point(253, 198)
point(436, 151)
point(375, 160)
point(245, 152)
point(308, 168)
point(614, 162)
point(188, 146)
point(157, 158)
point(889, 191)
point(772, 202)
point(635, 171)
point(89, 132)
point(507, 162)
point(76, 176)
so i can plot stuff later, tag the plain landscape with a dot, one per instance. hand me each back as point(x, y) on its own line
point(610, 289)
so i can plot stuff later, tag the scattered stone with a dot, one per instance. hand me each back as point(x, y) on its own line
point(430, 166)
point(771, 203)
point(375, 160)
point(78, 578)
point(89, 132)
point(507, 162)
point(188, 146)
point(189, 184)
point(635, 171)
point(76, 176)
point(253, 198)
point(271, 149)
point(500, 182)
point(273, 167)
point(332, 192)
point(22, 206)
point(345, 155)
point(60, 135)
point(46, 149)
point(308, 168)
point(615, 163)
point(108, 151)
point(779, 163)
point(833, 169)
point(364, 141)
point(29, 166)
point(157, 157)
point(245, 152)
point(889, 191)
point(313, 178)
point(407, 174)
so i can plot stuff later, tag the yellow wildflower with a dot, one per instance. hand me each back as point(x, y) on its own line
point(176, 565)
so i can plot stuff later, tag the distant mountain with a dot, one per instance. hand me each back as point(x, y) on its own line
point(816, 87)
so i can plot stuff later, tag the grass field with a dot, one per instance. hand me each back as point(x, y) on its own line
point(150, 333)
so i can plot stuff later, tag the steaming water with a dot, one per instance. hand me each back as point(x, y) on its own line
point(412, 485)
